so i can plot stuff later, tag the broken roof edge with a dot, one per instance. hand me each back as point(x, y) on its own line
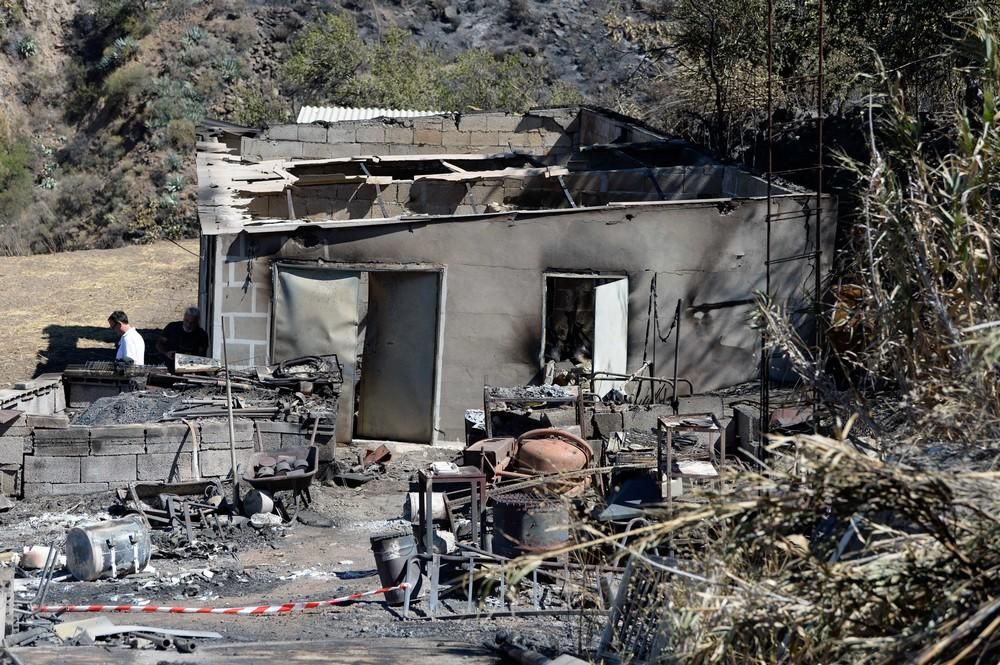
point(278, 225)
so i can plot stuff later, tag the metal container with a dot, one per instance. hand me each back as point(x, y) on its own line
point(107, 549)
point(550, 451)
point(396, 561)
point(525, 524)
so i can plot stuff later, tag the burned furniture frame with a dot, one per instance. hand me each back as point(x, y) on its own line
point(702, 423)
point(490, 401)
point(476, 481)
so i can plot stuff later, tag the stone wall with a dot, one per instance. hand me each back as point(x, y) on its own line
point(80, 460)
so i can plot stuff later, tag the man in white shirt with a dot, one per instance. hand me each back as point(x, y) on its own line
point(131, 345)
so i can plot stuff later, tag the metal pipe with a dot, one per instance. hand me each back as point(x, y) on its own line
point(817, 303)
point(232, 425)
point(765, 355)
point(674, 403)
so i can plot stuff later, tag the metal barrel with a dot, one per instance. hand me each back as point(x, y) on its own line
point(527, 524)
point(107, 549)
point(395, 555)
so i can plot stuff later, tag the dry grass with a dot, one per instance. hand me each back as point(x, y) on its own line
point(56, 305)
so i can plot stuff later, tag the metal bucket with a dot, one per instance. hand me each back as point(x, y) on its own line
point(396, 561)
point(107, 549)
point(525, 524)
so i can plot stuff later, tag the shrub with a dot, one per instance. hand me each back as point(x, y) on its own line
point(173, 162)
point(478, 80)
point(15, 178)
point(120, 51)
point(175, 183)
point(230, 69)
point(174, 100)
point(326, 55)
point(254, 108)
point(128, 82)
point(27, 48)
point(181, 133)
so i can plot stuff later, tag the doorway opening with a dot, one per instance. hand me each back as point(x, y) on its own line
point(383, 322)
point(585, 324)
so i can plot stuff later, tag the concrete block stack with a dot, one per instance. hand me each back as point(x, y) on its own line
point(551, 133)
point(80, 460)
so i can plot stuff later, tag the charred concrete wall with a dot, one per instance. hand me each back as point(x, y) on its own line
point(709, 254)
point(453, 198)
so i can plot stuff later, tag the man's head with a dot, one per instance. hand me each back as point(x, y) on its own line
point(118, 321)
point(191, 316)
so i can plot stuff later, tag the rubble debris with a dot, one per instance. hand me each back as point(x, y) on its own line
point(34, 557)
point(378, 455)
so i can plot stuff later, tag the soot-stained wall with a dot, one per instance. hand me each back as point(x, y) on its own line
point(704, 253)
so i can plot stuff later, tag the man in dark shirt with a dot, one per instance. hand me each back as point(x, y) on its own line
point(184, 336)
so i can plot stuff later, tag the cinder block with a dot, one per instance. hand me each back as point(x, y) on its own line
point(428, 136)
point(164, 467)
point(100, 447)
point(72, 489)
point(486, 139)
point(477, 122)
point(289, 440)
point(506, 122)
point(251, 327)
point(119, 433)
point(319, 151)
point(371, 134)
point(72, 441)
point(36, 490)
point(606, 423)
point(108, 468)
point(399, 134)
point(432, 122)
point(51, 469)
point(283, 133)
point(313, 133)
point(56, 421)
point(345, 132)
point(219, 462)
point(214, 432)
point(167, 438)
point(11, 449)
point(453, 138)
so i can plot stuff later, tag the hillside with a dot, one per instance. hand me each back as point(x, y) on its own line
point(99, 99)
point(56, 306)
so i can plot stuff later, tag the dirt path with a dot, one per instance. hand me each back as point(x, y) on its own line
point(55, 306)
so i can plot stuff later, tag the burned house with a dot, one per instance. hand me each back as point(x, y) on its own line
point(437, 254)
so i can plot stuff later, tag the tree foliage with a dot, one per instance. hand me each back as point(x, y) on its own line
point(707, 72)
point(330, 63)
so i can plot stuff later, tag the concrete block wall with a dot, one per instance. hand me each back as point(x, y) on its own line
point(82, 460)
point(36, 400)
point(546, 132)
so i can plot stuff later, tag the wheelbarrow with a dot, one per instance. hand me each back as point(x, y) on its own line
point(296, 481)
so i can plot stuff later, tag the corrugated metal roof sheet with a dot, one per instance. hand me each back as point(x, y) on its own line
point(309, 114)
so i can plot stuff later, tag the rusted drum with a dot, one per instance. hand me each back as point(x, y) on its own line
point(526, 524)
point(551, 451)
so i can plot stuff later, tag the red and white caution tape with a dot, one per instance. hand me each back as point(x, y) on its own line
point(251, 610)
